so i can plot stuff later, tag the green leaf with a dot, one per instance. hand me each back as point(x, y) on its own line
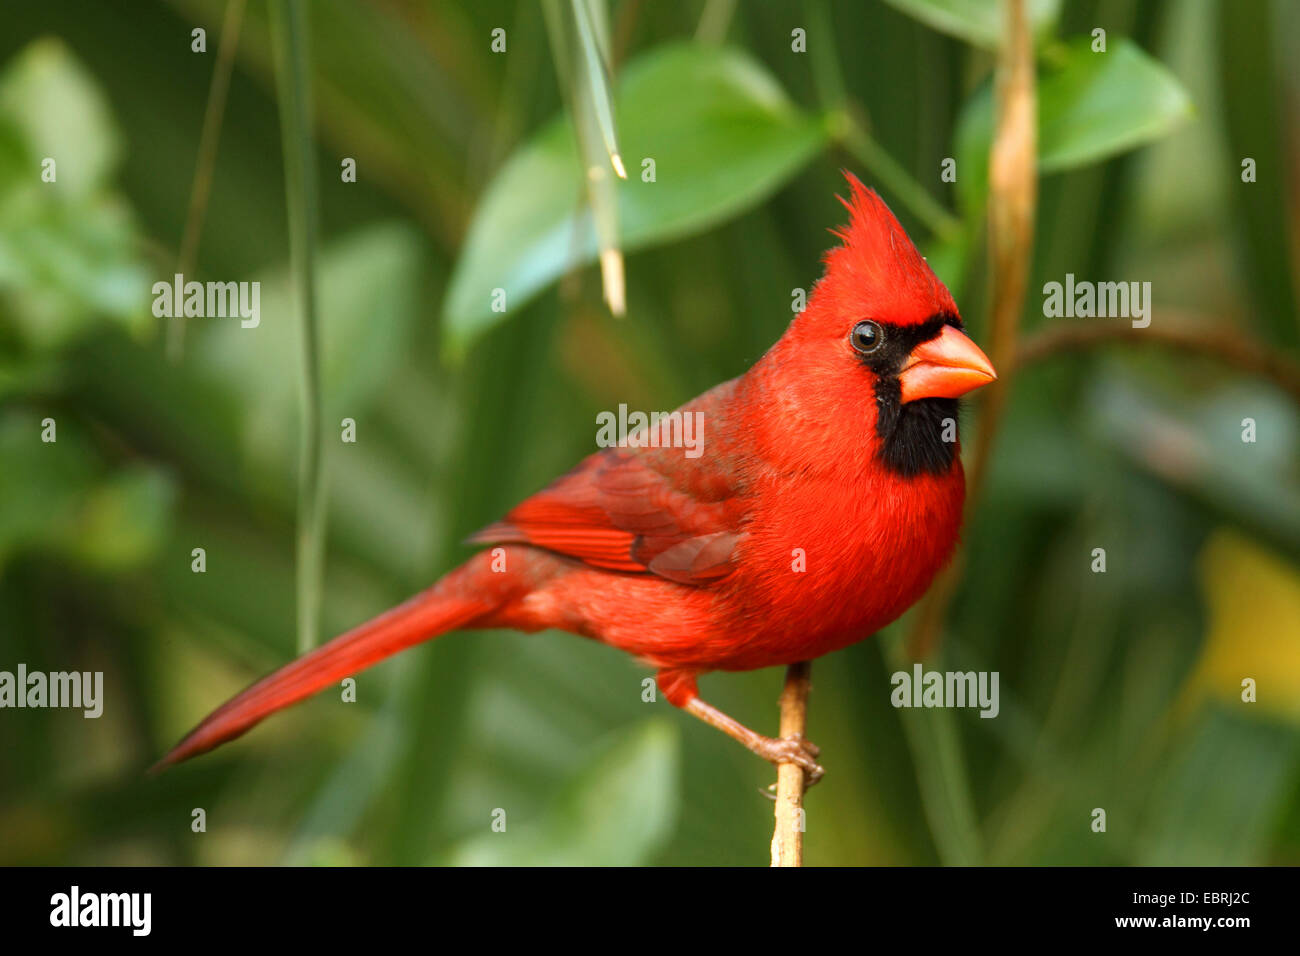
point(616, 812)
point(1090, 106)
point(975, 21)
point(62, 267)
point(721, 132)
point(59, 112)
point(69, 249)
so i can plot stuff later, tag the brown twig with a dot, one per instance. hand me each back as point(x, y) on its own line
point(1013, 198)
point(1197, 337)
point(787, 838)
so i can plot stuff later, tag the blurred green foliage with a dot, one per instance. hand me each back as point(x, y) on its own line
point(722, 149)
point(1119, 690)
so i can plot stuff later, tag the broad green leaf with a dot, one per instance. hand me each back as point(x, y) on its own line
point(69, 249)
point(60, 113)
point(1090, 106)
point(616, 812)
point(975, 21)
point(722, 135)
point(63, 267)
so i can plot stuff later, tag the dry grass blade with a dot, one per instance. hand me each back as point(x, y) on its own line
point(586, 90)
point(597, 81)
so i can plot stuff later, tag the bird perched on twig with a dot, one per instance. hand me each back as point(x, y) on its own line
point(828, 494)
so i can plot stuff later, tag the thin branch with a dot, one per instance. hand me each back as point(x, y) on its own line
point(851, 130)
point(208, 140)
point(1200, 338)
point(891, 174)
point(787, 838)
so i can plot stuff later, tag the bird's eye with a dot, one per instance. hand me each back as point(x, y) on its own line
point(866, 337)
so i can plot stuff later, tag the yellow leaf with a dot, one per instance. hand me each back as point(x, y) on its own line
point(1253, 599)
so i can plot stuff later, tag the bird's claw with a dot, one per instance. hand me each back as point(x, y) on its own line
point(796, 750)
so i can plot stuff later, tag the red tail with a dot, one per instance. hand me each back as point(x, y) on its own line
point(424, 616)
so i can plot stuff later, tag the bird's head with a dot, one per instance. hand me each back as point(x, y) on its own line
point(880, 348)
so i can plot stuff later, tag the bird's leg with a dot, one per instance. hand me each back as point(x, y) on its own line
point(680, 691)
point(777, 750)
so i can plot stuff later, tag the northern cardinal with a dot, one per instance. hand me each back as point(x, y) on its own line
point(828, 493)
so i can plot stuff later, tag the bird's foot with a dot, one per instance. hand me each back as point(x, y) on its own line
point(778, 750)
point(795, 750)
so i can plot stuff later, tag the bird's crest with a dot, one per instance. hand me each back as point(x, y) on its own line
point(878, 272)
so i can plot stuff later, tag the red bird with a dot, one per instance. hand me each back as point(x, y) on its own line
point(827, 495)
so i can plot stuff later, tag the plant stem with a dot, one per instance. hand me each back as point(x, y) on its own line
point(593, 44)
point(827, 77)
point(787, 837)
point(1013, 199)
point(585, 88)
point(289, 38)
point(849, 129)
point(896, 179)
point(714, 21)
point(1013, 192)
point(208, 140)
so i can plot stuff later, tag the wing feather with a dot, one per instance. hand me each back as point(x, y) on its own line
point(638, 510)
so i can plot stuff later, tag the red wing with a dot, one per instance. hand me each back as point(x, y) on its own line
point(636, 510)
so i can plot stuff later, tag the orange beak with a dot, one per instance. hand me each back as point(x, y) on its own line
point(945, 367)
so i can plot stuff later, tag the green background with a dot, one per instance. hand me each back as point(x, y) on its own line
point(1118, 690)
